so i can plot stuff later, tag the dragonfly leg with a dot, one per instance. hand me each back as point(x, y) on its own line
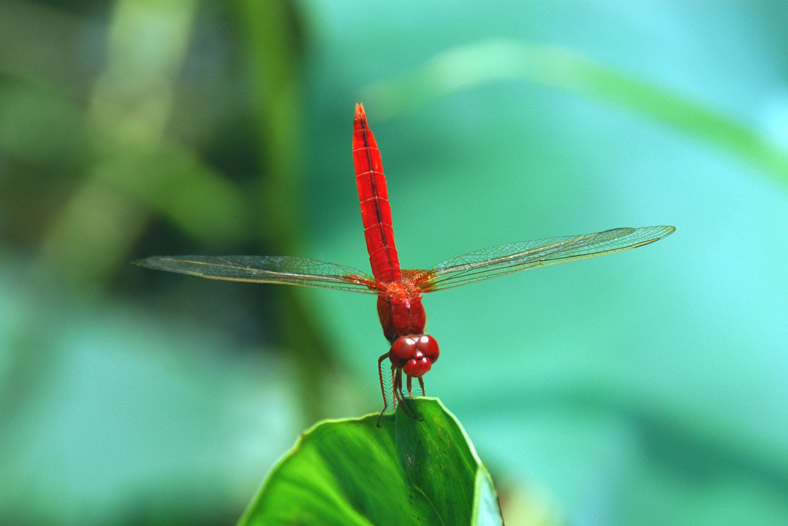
point(396, 395)
point(402, 398)
point(383, 389)
point(394, 380)
point(421, 384)
point(397, 375)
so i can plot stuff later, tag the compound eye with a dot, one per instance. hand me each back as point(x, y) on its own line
point(429, 346)
point(402, 350)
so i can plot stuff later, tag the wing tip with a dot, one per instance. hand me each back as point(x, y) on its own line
point(153, 262)
point(657, 231)
point(669, 230)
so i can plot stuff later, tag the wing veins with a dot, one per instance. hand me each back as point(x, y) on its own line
point(266, 269)
point(538, 253)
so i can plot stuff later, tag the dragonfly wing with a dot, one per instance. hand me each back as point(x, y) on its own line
point(514, 257)
point(266, 269)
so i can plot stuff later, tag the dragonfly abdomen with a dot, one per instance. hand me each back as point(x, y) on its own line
point(374, 202)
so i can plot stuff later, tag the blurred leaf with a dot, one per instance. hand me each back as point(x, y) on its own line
point(47, 44)
point(117, 415)
point(485, 62)
point(128, 151)
point(38, 124)
point(409, 471)
point(177, 184)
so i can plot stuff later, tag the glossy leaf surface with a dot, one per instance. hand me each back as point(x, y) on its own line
point(407, 472)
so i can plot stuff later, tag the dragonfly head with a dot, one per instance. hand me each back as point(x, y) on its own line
point(414, 354)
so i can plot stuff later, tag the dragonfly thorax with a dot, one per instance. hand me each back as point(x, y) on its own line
point(401, 315)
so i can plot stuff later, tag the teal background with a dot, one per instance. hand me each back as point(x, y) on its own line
point(642, 388)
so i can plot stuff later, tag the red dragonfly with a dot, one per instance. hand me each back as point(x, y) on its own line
point(399, 290)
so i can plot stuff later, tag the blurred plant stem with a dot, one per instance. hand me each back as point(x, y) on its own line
point(131, 169)
point(472, 66)
point(39, 44)
point(273, 64)
point(128, 157)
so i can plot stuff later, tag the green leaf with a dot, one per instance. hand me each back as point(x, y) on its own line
point(408, 472)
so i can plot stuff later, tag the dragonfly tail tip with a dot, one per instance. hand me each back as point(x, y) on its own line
point(360, 114)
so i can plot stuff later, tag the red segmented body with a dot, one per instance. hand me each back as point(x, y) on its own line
point(374, 200)
point(399, 306)
point(399, 291)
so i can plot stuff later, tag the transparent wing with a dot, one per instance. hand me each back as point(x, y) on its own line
point(514, 257)
point(266, 269)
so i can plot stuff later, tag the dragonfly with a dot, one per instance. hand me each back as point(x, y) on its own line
point(399, 291)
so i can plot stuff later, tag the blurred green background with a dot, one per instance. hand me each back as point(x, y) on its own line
point(644, 388)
